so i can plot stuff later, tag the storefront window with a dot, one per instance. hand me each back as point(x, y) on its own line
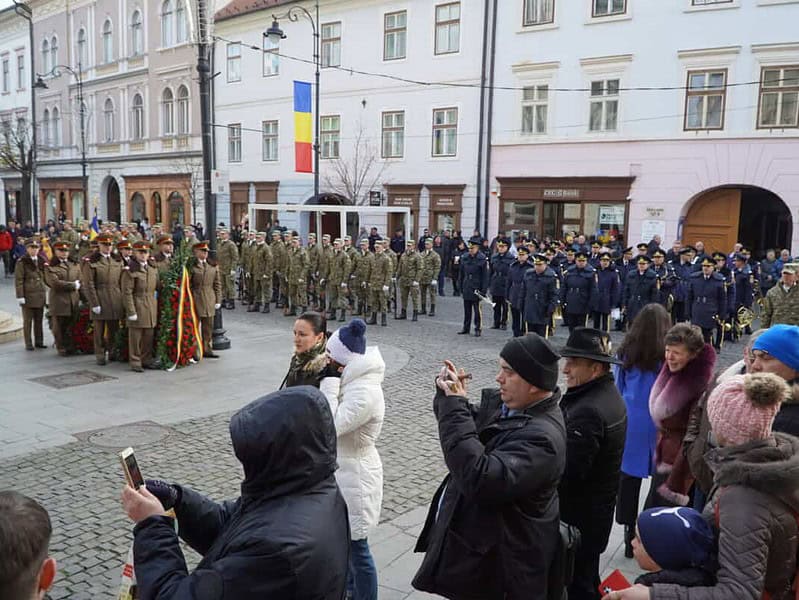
point(176, 213)
point(138, 209)
point(77, 206)
point(521, 213)
point(49, 206)
point(604, 220)
point(157, 208)
point(444, 221)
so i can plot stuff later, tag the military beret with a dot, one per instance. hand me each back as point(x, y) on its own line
point(141, 246)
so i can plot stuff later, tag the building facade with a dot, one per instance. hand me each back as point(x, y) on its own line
point(381, 130)
point(640, 118)
point(138, 127)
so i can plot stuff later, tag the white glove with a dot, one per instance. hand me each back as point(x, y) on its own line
point(363, 284)
point(21, 301)
point(300, 281)
point(217, 306)
point(352, 276)
point(415, 284)
point(264, 277)
point(133, 318)
point(385, 288)
point(434, 283)
point(77, 284)
point(322, 281)
point(394, 279)
point(233, 273)
point(96, 309)
point(343, 284)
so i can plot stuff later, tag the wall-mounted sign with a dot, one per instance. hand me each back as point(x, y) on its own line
point(375, 198)
point(561, 193)
point(611, 215)
point(655, 213)
point(409, 201)
point(651, 228)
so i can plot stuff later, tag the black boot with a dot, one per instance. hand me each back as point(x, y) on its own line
point(252, 308)
point(403, 315)
point(232, 305)
point(432, 312)
point(477, 333)
point(343, 316)
point(415, 315)
point(266, 308)
point(463, 331)
point(373, 319)
point(424, 310)
point(383, 320)
point(629, 534)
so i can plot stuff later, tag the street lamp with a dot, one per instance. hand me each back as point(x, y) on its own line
point(275, 35)
point(41, 85)
point(23, 10)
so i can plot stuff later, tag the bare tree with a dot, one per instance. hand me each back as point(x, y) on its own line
point(16, 154)
point(191, 167)
point(354, 176)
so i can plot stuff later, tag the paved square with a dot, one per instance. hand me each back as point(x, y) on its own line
point(61, 381)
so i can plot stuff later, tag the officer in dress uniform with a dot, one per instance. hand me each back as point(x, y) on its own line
point(206, 287)
point(140, 282)
point(473, 278)
point(744, 287)
point(609, 288)
point(667, 278)
point(578, 294)
point(125, 252)
point(640, 288)
point(707, 301)
point(594, 257)
point(62, 276)
point(515, 289)
point(166, 248)
point(500, 267)
point(100, 278)
point(682, 270)
point(539, 296)
point(31, 293)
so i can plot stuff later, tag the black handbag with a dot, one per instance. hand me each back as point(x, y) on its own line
point(561, 571)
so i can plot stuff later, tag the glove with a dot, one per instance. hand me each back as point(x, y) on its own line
point(363, 284)
point(352, 276)
point(330, 371)
point(233, 273)
point(217, 306)
point(167, 494)
point(133, 318)
point(21, 301)
point(96, 310)
point(415, 284)
point(434, 283)
point(385, 288)
point(343, 284)
point(77, 284)
point(393, 279)
point(264, 277)
point(322, 281)
point(300, 281)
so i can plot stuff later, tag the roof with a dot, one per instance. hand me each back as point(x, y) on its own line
point(236, 8)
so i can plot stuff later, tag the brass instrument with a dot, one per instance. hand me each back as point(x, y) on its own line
point(744, 318)
point(670, 303)
point(484, 299)
point(723, 329)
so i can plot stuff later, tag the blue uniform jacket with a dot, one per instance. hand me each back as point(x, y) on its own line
point(608, 290)
point(639, 290)
point(706, 299)
point(514, 291)
point(579, 291)
point(540, 296)
point(683, 272)
point(743, 288)
point(474, 275)
point(500, 265)
point(668, 282)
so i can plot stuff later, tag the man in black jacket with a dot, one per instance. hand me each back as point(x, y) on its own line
point(596, 426)
point(492, 529)
point(286, 537)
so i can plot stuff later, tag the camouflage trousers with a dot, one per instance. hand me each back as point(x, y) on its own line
point(297, 293)
point(428, 290)
point(336, 296)
point(228, 289)
point(262, 290)
point(378, 300)
point(405, 289)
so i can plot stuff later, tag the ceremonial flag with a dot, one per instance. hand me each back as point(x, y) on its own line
point(303, 162)
point(94, 228)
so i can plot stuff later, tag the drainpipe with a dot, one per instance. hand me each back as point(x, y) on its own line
point(479, 177)
point(489, 132)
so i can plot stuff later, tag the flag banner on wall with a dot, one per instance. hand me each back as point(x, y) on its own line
point(303, 149)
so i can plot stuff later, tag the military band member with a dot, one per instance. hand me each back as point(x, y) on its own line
point(228, 256)
point(428, 282)
point(100, 277)
point(29, 275)
point(473, 278)
point(515, 288)
point(379, 283)
point(609, 292)
point(261, 275)
point(206, 287)
point(500, 267)
point(409, 270)
point(539, 297)
point(707, 300)
point(578, 292)
point(640, 288)
point(139, 283)
point(744, 287)
point(166, 249)
point(62, 276)
point(666, 278)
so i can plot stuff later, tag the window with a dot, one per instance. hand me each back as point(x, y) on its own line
point(535, 99)
point(331, 44)
point(108, 120)
point(448, 28)
point(704, 100)
point(706, 2)
point(168, 112)
point(271, 59)
point(20, 71)
point(269, 145)
point(394, 35)
point(56, 137)
point(108, 42)
point(445, 131)
point(779, 97)
point(538, 12)
point(136, 35)
point(83, 55)
point(137, 118)
point(181, 30)
point(183, 110)
point(605, 8)
point(53, 52)
point(331, 136)
point(393, 134)
point(46, 127)
point(167, 24)
point(234, 62)
point(604, 105)
point(46, 56)
point(234, 142)
point(6, 75)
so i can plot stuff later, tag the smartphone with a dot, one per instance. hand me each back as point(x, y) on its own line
point(614, 583)
point(131, 468)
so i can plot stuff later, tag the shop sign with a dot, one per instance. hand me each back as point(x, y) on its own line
point(375, 198)
point(611, 215)
point(561, 193)
point(220, 180)
point(408, 201)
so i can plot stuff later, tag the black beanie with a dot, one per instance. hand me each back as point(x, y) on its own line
point(534, 359)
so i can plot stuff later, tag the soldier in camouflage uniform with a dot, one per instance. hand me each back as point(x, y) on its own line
point(279, 256)
point(350, 252)
point(324, 267)
point(409, 270)
point(379, 283)
point(70, 236)
point(297, 277)
point(392, 292)
point(428, 281)
point(84, 245)
point(337, 281)
point(245, 264)
point(362, 269)
point(781, 304)
point(228, 256)
point(314, 253)
point(261, 275)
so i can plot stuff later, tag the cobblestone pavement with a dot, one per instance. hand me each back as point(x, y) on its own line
point(79, 483)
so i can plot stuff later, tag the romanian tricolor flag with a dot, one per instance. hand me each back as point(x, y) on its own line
point(302, 128)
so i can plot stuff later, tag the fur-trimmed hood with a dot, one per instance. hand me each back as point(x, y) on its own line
point(770, 466)
point(672, 392)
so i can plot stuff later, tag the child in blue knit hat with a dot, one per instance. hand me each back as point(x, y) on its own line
point(675, 545)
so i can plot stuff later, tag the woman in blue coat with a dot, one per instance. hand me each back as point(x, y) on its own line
point(641, 353)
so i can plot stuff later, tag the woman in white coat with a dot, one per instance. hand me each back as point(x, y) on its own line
point(353, 389)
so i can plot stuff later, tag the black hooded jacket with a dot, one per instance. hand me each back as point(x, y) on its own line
point(286, 537)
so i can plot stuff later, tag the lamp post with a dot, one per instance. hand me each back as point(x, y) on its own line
point(25, 11)
point(275, 34)
point(41, 85)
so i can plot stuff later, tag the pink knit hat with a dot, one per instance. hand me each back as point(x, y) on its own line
point(742, 408)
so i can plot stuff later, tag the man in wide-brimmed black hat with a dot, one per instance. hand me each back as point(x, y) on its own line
point(596, 426)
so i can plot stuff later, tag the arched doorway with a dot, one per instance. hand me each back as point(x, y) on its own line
point(331, 221)
point(114, 211)
point(177, 213)
point(753, 216)
point(138, 210)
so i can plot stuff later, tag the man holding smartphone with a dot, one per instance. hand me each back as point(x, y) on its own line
point(493, 524)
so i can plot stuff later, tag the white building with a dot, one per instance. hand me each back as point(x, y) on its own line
point(576, 144)
point(14, 97)
point(422, 138)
